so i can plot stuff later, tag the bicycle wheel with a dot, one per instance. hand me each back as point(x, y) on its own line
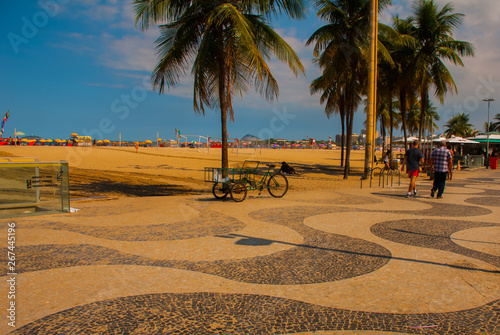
point(220, 190)
point(277, 185)
point(238, 192)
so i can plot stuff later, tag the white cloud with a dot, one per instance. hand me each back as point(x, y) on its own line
point(127, 49)
point(130, 52)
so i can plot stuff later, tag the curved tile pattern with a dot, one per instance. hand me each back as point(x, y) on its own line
point(433, 234)
point(215, 313)
point(322, 257)
point(485, 201)
point(345, 200)
point(438, 208)
point(208, 224)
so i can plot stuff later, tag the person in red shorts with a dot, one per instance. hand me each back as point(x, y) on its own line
point(413, 159)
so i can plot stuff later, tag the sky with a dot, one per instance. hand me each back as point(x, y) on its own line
point(81, 66)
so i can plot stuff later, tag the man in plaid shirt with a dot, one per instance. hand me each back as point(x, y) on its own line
point(443, 165)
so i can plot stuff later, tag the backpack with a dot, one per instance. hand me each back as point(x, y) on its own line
point(285, 168)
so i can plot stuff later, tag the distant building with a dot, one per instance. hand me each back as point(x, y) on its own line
point(355, 137)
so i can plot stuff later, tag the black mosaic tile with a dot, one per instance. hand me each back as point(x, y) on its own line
point(344, 200)
point(483, 180)
point(484, 201)
point(322, 257)
point(215, 313)
point(438, 207)
point(433, 234)
point(207, 224)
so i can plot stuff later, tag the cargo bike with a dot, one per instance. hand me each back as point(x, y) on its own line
point(238, 181)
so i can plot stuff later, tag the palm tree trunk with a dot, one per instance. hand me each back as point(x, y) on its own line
point(424, 98)
point(225, 158)
point(349, 122)
point(342, 140)
point(391, 120)
point(382, 133)
point(223, 112)
point(402, 103)
point(347, 167)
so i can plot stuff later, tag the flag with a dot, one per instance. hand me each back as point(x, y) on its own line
point(5, 118)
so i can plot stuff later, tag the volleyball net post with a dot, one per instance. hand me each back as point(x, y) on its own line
point(189, 139)
point(216, 142)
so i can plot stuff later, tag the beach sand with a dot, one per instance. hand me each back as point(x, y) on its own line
point(120, 171)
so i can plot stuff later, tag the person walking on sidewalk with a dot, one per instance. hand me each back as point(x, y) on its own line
point(413, 159)
point(443, 168)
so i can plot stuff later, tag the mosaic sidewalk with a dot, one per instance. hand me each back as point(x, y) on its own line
point(356, 261)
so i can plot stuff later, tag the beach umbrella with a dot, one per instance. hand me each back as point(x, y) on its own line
point(105, 141)
point(49, 140)
point(18, 133)
point(148, 141)
point(74, 135)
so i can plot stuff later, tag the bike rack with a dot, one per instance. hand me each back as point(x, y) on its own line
point(385, 173)
point(382, 177)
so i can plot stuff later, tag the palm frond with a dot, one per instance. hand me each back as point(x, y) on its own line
point(149, 13)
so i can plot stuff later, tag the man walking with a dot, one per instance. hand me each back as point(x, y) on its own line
point(443, 166)
point(413, 159)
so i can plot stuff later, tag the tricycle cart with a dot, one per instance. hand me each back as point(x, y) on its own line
point(238, 181)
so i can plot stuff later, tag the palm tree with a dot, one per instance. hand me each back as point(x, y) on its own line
point(385, 121)
point(341, 53)
point(386, 89)
point(403, 55)
point(227, 43)
point(389, 73)
point(333, 97)
point(459, 125)
point(433, 29)
point(496, 125)
point(413, 119)
point(491, 128)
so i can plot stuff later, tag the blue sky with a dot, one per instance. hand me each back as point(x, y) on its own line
point(82, 66)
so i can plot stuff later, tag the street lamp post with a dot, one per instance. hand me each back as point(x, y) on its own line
point(489, 100)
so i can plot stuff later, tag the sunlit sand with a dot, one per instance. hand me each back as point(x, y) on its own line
point(319, 168)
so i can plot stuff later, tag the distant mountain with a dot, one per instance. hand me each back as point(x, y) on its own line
point(32, 137)
point(250, 138)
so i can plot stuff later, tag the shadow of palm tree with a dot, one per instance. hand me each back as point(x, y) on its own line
point(247, 240)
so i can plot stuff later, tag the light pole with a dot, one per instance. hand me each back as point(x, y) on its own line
point(489, 100)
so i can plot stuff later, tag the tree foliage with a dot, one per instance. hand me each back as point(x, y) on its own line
point(459, 125)
point(224, 44)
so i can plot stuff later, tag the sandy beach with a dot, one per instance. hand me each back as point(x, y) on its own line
point(120, 171)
